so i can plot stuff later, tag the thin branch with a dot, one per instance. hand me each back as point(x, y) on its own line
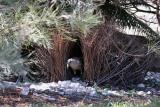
point(140, 10)
point(138, 3)
point(134, 4)
point(147, 20)
point(158, 11)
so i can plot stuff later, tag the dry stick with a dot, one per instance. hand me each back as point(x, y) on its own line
point(116, 67)
point(143, 66)
point(105, 78)
point(88, 56)
point(140, 68)
point(120, 78)
point(142, 55)
point(158, 11)
point(123, 51)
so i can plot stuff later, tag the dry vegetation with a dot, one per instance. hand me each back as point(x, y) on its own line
point(106, 57)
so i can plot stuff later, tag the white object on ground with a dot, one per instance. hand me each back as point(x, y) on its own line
point(111, 93)
point(25, 91)
point(43, 86)
point(141, 93)
point(141, 85)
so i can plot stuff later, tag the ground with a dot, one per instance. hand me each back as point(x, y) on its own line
point(69, 93)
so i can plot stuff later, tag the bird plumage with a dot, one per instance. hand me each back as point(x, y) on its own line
point(75, 64)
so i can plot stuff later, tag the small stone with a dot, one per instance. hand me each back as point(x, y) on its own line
point(153, 90)
point(51, 99)
point(53, 85)
point(141, 85)
point(146, 78)
point(149, 73)
point(115, 93)
point(64, 84)
point(111, 93)
point(74, 85)
point(123, 92)
point(89, 89)
point(25, 91)
point(74, 79)
point(141, 93)
point(40, 86)
point(69, 91)
point(93, 93)
point(81, 89)
point(158, 79)
point(61, 93)
point(158, 92)
point(104, 93)
point(148, 92)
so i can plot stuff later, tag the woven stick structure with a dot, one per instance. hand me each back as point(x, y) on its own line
point(108, 57)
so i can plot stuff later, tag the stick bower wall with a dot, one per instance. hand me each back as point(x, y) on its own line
point(108, 56)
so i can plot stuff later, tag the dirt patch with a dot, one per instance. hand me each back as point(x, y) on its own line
point(12, 97)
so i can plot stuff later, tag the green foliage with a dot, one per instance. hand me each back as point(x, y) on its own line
point(26, 24)
point(36, 24)
point(83, 19)
point(35, 20)
point(124, 17)
point(11, 63)
point(8, 40)
point(8, 2)
point(35, 27)
point(76, 18)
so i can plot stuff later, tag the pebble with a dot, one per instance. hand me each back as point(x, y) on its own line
point(141, 93)
point(61, 93)
point(40, 86)
point(153, 75)
point(64, 84)
point(25, 91)
point(74, 85)
point(69, 91)
point(81, 89)
point(75, 79)
point(54, 85)
point(158, 92)
point(149, 93)
point(89, 89)
point(93, 93)
point(141, 85)
point(77, 87)
point(111, 93)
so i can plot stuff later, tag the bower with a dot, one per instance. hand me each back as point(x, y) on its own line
point(108, 56)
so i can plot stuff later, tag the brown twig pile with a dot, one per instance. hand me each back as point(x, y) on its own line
point(108, 56)
point(59, 58)
point(42, 65)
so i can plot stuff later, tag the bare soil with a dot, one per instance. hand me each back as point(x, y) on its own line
point(12, 97)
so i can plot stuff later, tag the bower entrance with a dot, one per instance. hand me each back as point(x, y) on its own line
point(75, 51)
point(107, 56)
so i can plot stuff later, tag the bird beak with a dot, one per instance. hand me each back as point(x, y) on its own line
point(74, 72)
point(67, 65)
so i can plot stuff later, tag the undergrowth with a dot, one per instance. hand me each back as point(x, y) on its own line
point(153, 103)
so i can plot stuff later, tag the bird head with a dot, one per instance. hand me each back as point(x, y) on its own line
point(73, 62)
